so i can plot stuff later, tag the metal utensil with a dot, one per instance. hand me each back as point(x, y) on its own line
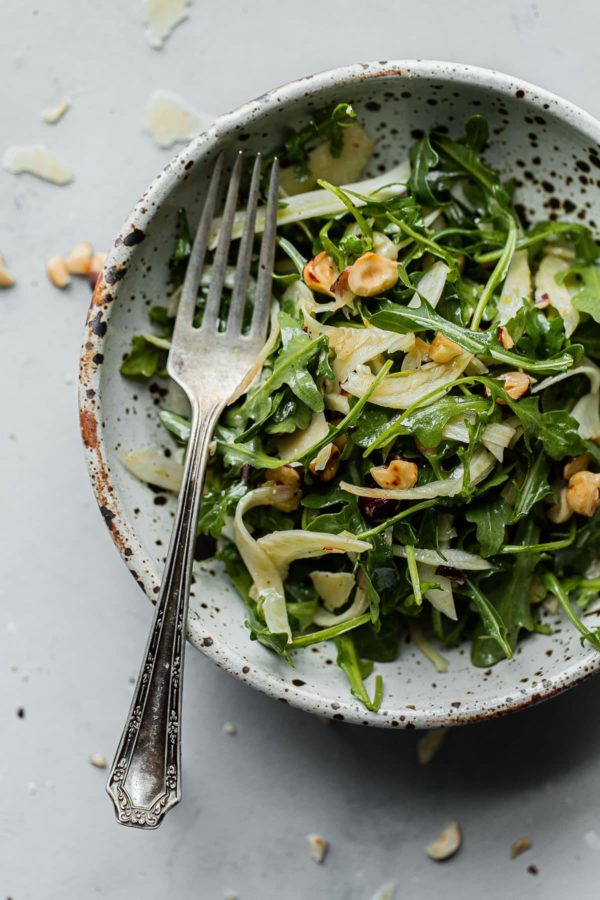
point(209, 364)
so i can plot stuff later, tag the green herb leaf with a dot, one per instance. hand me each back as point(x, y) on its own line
point(356, 672)
point(404, 319)
point(491, 519)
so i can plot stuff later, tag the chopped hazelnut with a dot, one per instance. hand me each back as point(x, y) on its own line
point(516, 384)
point(320, 273)
point(521, 845)
point(399, 473)
point(5, 279)
point(58, 272)
point(442, 349)
point(504, 337)
point(576, 464)
point(79, 259)
point(372, 274)
point(583, 493)
point(285, 475)
point(326, 463)
point(447, 844)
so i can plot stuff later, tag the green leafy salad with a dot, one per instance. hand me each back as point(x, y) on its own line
point(414, 454)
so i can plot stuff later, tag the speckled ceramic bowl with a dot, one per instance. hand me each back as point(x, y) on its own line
point(549, 146)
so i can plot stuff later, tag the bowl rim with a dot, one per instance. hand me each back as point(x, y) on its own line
point(92, 356)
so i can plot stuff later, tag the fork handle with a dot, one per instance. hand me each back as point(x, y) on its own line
point(145, 777)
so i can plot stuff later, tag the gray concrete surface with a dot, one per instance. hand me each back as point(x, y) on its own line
point(73, 621)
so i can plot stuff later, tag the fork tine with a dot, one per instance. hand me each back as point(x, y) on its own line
point(189, 293)
point(242, 271)
point(260, 316)
point(213, 300)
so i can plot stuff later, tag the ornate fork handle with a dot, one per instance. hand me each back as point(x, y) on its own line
point(145, 777)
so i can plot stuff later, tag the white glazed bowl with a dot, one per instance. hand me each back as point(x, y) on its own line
point(550, 146)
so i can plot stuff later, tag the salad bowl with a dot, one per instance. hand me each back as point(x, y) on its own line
point(548, 147)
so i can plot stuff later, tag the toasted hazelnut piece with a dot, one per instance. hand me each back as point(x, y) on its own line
point(447, 844)
point(285, 475)
point(320, 273)
point(97, 760)
point(583, 493)
point(326, 463)
point(561, 511)
point(504, 337)
point(442, 349)
point(516, 384)
point(576, 464)
point(520, 846)
point(5, 279)
point(372, 274)
point(399, 473)
point(79, 259)
point(318, 847)
point(58, 272)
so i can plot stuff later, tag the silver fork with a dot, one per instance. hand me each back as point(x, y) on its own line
point(145, 777)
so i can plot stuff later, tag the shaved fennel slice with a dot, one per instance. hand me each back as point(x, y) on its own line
point(357, 608)
point(152, 466)
point(431, 285)
point(587, 368)
point(267, 582)
point(334, 588)
point(283, 547)
point(291, 445)
point(323, 204)
point(355, 346)
point(586, 412)
point(452, 559)
point(259, 362)
point(401, 390)
point(516, 288)
point(482, 464)
point(440, 597)
point(302, 296)
point(496, 436)
point(558, 294)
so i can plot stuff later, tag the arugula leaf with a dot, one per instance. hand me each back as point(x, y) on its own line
point(533, 488)
point(491, 519)
point(179, 426)
point(356, 671)
point(589, 337)
point(423, 159)
point(556, 429)
point(552, 584)
point(218, 503)
point(510, 598)
point(289, 367)
point(587, 297)
point(493, 628)
point(584, 549)
point(404, 319)
point(428, 423)
point(381, 644)
point(144, 359)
